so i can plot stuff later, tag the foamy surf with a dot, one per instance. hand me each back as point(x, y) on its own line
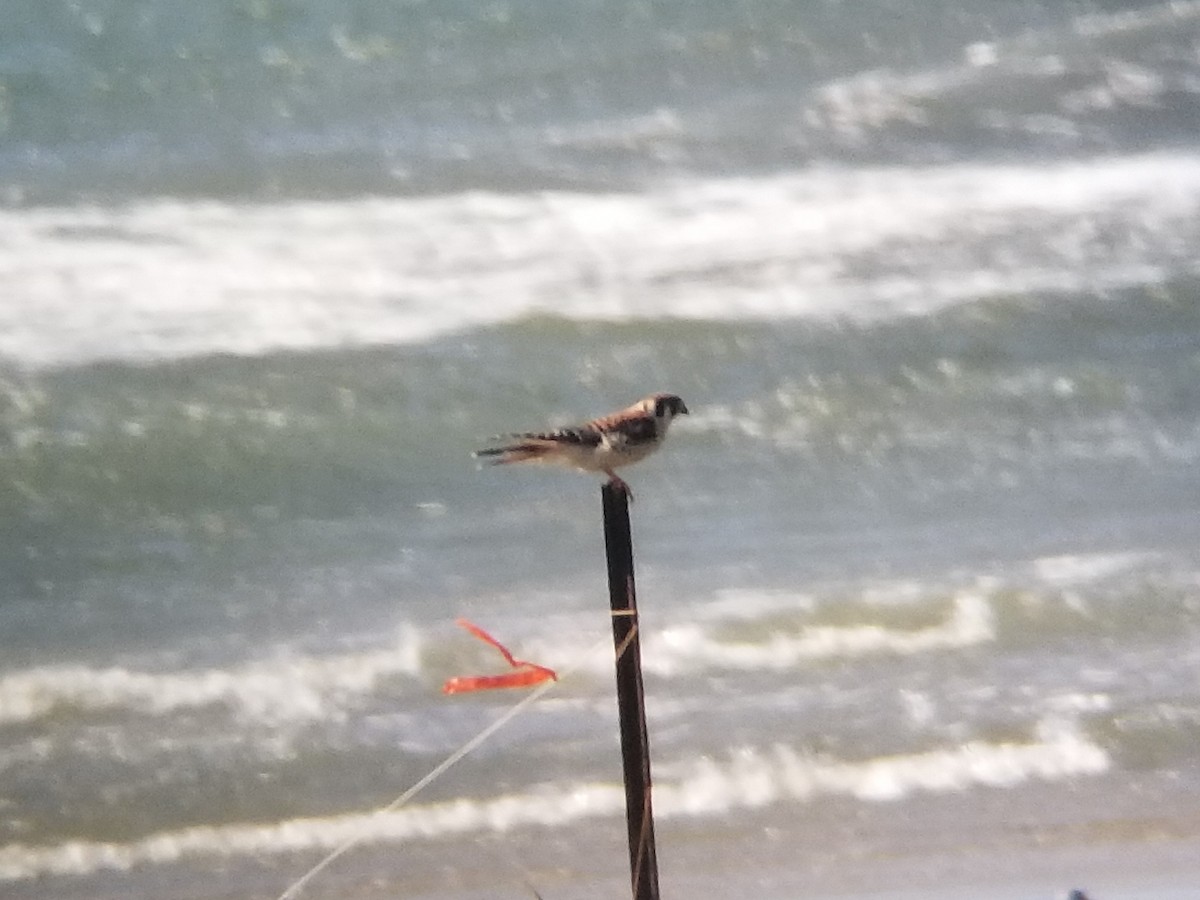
point(866, 244)
point(731, 631)
point(750, 778)
point(295, 688)
point(690, 648)
point(269, 691)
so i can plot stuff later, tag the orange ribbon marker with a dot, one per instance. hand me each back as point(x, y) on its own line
point(527, 674)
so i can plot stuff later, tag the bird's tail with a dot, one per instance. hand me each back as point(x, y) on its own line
point(513, 453)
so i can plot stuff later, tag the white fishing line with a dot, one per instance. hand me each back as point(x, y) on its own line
point(440, 769)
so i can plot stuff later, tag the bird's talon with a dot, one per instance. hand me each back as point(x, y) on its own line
point(622, 485)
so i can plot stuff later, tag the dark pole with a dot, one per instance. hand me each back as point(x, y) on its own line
point(631, 704)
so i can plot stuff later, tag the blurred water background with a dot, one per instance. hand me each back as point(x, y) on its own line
point(923, 562)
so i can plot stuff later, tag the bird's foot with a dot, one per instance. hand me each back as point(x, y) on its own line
point(621, 485)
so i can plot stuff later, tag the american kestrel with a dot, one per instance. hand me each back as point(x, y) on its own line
point(600, 445)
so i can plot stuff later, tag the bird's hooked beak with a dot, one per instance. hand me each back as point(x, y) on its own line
point(667, 405)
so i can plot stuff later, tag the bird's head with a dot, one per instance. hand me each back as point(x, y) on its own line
point(664, 407)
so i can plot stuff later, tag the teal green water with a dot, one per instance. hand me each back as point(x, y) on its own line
point(285, 97)
point(271, 271)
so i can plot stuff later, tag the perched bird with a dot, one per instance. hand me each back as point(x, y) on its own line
point(600, 445)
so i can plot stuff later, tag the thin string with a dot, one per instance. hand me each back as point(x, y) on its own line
point(440, 769)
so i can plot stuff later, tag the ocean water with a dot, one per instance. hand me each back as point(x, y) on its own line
point(919, 575)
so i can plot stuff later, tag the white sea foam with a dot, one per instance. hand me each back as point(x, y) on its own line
point(688, 647)
point(696, 645)
point(1046, 65)
point(757, 778)
point(167, 279)
point(1077, 569)
point(267, 691)
point(287, 687)
point(752, 778)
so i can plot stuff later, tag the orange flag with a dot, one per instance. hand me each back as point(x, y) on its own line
point(526, 674)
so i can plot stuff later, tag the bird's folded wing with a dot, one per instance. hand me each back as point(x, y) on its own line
point(625, 430)
point(583, 436)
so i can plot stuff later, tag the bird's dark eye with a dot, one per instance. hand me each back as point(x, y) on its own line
point(665, 405)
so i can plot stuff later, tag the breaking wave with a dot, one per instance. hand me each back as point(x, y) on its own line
point(750, 778)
